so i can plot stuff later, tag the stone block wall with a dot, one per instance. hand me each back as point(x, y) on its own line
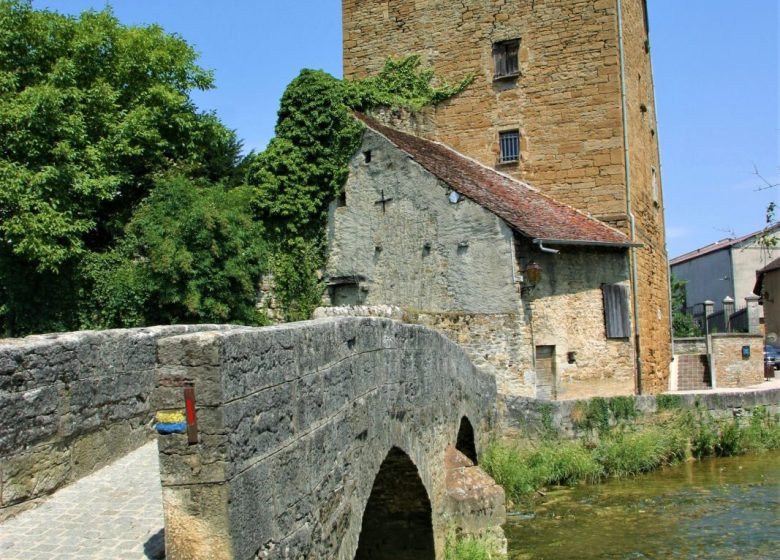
point(295, 421)
point(690, 345)
point(646, 200)
point(567, 312)
point(497, 344)
point(71, 403)
point(532, 417)
point(731, 368)
point(565, 102)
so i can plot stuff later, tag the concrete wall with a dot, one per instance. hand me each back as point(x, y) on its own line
point(294, 422)
point(747, 258)
point(71, 403)
point(708, 277)
point(771, 301)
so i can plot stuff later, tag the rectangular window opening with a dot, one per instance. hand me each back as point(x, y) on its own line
point(509, 143)
point(505, 59)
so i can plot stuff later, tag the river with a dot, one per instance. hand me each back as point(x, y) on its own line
point(725, 508)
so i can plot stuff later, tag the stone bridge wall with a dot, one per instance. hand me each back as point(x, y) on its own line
point(71, 403)
point(294, 422)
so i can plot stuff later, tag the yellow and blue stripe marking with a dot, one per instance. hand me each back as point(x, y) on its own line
point(170, 422)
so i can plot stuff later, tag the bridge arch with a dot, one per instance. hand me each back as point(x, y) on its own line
point(465, 441)
point(298, 426)
point(397, 521)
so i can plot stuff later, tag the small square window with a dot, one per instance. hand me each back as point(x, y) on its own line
point(505, 59)
point(509, 142)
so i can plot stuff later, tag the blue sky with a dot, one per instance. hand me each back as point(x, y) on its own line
point(715, 65)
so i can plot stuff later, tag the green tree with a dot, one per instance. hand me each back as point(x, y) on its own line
point(91, 111)
point(682, 322)
point(193, 254)
point(306, 164)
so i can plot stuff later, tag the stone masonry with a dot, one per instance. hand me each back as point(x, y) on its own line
point(71, 403)
point(299, 423)
point(566, 102)
point(732, 369)
point(453, 265)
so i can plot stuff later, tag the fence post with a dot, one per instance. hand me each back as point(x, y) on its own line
point(753, 315)
point(709, 305)
point(728, 311)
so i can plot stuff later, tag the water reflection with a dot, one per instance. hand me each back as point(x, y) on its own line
point(713, 509)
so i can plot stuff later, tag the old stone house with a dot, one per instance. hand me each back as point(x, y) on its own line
point(562, 98)
point(536, 291)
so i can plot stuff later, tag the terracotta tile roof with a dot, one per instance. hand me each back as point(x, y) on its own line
point(722, 244)
point(525, 209)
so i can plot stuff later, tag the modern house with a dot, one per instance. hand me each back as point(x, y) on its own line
point(725, 269)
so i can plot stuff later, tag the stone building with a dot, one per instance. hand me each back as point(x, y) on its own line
point(562, 98)
point(536, 291)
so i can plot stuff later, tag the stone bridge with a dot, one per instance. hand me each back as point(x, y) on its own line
point(336, 438)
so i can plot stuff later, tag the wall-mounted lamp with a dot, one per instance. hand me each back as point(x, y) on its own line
point(532, 275)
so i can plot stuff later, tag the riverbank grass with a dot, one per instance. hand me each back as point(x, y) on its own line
point(619, 449)
point(469, 547)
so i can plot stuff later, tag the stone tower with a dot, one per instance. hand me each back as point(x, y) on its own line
point(562, 99)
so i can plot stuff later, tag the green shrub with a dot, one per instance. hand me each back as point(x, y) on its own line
point(563, 463)
point(668, 402)
point(623, 408)
point(762, 432)
point(508, 466)
point(704, 439)
point(471, 548)
point(629, 453)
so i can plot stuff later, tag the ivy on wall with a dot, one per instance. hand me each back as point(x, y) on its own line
point(304, 167)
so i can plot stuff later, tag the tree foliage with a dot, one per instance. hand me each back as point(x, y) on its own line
point(193, 254)
point(123, 205)
point(91, 112)
point(306, 164)
point(683, 324)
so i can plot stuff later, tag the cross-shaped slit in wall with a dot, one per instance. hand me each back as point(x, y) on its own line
point(383, 201)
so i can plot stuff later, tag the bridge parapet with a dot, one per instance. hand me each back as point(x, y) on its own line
point(294, 422)
point(71, 403)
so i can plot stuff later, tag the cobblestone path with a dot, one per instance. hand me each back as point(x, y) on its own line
point(113, 514)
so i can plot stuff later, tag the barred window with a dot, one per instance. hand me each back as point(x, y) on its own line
point(509, 142)
point(505, 58)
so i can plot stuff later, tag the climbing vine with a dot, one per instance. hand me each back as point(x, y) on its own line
point(306, 164)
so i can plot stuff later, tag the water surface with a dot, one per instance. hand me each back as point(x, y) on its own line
point(725, 508)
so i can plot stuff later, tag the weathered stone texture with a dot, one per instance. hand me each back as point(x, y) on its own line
point(731, 369)
point(71, 403)
point(457, 268)
point(566, 103)
point(567, 312)
point(690, 345)
point(295, 422)
point(533, 417)
point(423, 251)
point(646, 202)
point(497, 344)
